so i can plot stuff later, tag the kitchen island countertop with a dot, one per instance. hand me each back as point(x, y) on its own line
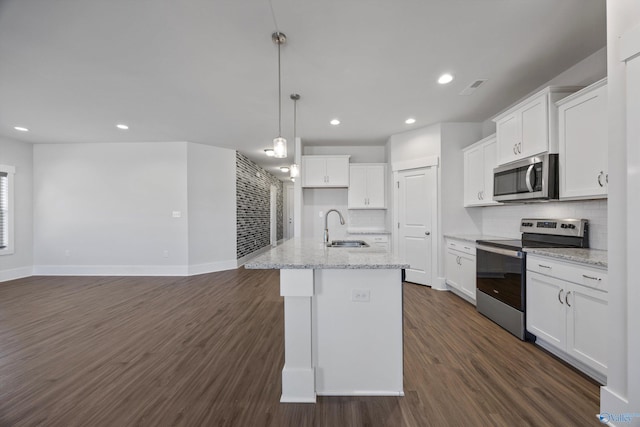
point(311, 254)
point(594, 257)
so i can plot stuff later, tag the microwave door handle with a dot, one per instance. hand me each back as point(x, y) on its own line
point(528, 178)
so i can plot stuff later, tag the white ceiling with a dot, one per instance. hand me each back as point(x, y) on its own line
point(206, 70)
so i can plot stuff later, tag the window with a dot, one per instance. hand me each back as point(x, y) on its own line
point(6, 209)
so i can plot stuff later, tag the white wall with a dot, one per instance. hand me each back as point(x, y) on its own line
point(20, 155)
point(504, 220)
point(418, 143)
point(454, 217)
point(211, 181)
point(622, 393)
point(319, 200)
point(107, 208)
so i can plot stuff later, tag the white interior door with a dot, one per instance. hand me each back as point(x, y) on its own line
point(415, 202)
point(274, 215)
point(289, 212)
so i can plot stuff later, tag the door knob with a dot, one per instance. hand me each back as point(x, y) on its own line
point(427, 233)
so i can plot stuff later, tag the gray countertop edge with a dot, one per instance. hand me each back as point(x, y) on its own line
point(473, 238)
point(592, 257)
point(250, 266)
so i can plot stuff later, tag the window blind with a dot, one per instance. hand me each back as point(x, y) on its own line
point(4, 209)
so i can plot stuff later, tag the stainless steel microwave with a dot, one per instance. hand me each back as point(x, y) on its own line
point(533, 178)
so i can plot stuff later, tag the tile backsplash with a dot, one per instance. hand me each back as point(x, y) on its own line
point(367, 219)
point(504, 220)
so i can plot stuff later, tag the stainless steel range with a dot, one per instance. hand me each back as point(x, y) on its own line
point(501, 268)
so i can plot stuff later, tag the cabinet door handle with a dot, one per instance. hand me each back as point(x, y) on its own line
point(478, 195)
point(519, 147)
point(482, 194)
point(606, 178)
point(600, 179)
point(543, 266)
point(459, 261)
point(592, 277)
point(560, 296)
point(515, 149)
point(566, 299)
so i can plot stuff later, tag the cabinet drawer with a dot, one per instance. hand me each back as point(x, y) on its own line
point(379, 239)
point(465, 247)
point(575, 273)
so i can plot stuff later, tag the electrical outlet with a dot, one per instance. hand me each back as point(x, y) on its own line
point(176, 214)
point(320, 214)
point(361, 295)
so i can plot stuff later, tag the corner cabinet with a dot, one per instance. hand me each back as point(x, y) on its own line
point(325, 171)
point(583, 168)
point(460, 268)
point(531, 126)
point(367, 183)
point(567, 312)
point(479, 161)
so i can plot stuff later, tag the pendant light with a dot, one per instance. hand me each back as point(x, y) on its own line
point(294, 170)
point(279, 143)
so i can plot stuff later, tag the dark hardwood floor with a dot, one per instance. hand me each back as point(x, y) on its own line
point(208, 351)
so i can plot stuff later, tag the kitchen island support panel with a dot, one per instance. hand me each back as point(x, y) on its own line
point(298, 375)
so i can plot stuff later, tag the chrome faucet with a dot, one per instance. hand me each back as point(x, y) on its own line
point(326, 227)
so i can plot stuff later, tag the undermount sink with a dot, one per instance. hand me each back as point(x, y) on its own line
point(347, 244)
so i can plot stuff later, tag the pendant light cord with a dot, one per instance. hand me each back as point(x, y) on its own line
point(279, 92)
point(273, 15)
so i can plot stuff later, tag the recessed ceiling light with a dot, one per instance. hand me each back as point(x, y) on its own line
point(445, 78)
point(21, 129)
point(122, 126)
point(284, 169)
point(335, 122)
point(410, 121)
point(269, 152)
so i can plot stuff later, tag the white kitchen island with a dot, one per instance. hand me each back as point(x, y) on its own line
point(343, 320)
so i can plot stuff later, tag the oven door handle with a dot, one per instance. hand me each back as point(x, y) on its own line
point(501, 251)
point(528, 178)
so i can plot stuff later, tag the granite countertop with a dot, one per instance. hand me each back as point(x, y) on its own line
point(472, 238)
point(594, 257)
point(311, 254)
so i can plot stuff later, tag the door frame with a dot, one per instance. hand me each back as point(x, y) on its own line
point(420, 163)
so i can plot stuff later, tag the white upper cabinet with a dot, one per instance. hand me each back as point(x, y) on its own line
point(583, 160)
point(367, 183)
point(325, 171)
point(479, 161)
point(530, 127)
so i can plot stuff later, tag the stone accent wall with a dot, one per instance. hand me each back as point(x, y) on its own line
point(253, 195)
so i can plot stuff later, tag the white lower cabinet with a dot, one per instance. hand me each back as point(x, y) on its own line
point(460, 267)
point(567, 312)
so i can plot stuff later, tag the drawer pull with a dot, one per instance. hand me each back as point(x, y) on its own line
point(566, 299)
point(467, 248)
point(495, 291)
point(560, 296)
point(543, 266)
point(592, 277)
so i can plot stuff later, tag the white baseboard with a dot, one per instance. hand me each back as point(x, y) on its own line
point(15, 273)
point(212, 267)
point(110, 270)
point(612, 403)
point(439, 284)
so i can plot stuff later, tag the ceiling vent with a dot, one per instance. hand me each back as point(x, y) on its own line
point(472, 87)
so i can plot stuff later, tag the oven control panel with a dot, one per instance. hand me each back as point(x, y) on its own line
point(562, 227)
